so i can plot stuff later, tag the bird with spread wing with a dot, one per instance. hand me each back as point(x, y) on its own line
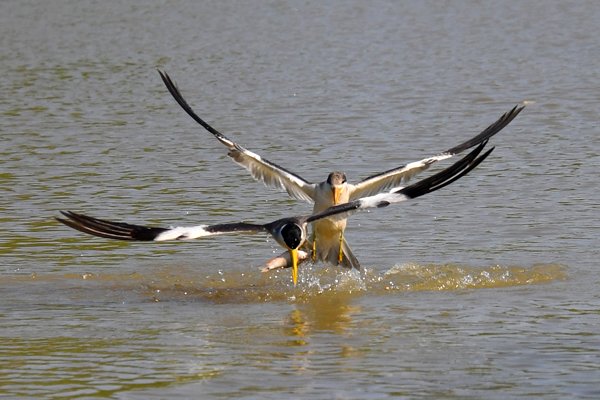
point(290, 233)
point(327, 240)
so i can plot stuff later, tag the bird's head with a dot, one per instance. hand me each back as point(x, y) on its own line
point(337, 181)
point(291, 234)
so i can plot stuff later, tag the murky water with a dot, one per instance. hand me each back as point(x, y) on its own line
point(486, 289)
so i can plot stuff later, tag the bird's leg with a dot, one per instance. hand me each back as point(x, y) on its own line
point(314, 247)
point(341, 252)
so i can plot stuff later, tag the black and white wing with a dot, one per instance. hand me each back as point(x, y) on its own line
point(261, 169)
point(125, 231)
point(417, 189)
point(394, 177)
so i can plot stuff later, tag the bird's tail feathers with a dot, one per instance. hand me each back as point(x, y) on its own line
point(348, 259)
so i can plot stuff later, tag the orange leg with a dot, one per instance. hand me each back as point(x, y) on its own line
point(341, 252)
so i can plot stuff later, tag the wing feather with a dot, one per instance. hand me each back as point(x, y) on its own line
point(263, 170)
point(420, 188)
point(124, 231)
point(394, 177)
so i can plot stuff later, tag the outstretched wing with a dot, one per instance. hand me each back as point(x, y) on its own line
point(263, 170)
point(394, 177)
point(428, 185)
point(125, 231)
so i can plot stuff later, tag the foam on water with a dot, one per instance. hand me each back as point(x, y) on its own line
point(179, 283)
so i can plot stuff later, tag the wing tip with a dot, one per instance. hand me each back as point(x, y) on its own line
point(108, 229)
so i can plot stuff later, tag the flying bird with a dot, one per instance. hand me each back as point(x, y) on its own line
point(290, 233)
point(328, 242)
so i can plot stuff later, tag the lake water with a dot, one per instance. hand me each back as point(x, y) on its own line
point(488, 288)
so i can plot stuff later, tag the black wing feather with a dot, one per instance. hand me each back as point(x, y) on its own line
point(109, 229)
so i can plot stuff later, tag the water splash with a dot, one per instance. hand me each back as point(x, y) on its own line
point(174, 283)
point(457, 277)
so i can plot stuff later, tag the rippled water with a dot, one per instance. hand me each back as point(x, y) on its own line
point(486, 289)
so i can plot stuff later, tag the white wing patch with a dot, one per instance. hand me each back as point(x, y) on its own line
point(183, 233)
point(394, 177)
point(382, 200)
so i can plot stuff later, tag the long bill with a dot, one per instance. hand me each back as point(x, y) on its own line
point(294, 256)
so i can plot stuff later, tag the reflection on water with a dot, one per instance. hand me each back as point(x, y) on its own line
point(92, 358)
point(329, 311)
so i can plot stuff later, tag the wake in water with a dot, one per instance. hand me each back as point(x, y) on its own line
point(431, 277)
point(176, 283)
point(455, 277)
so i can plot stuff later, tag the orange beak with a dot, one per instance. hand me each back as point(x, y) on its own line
point(337, 194)
point(294, 255)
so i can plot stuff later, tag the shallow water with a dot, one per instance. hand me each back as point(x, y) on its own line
point(485, 289)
